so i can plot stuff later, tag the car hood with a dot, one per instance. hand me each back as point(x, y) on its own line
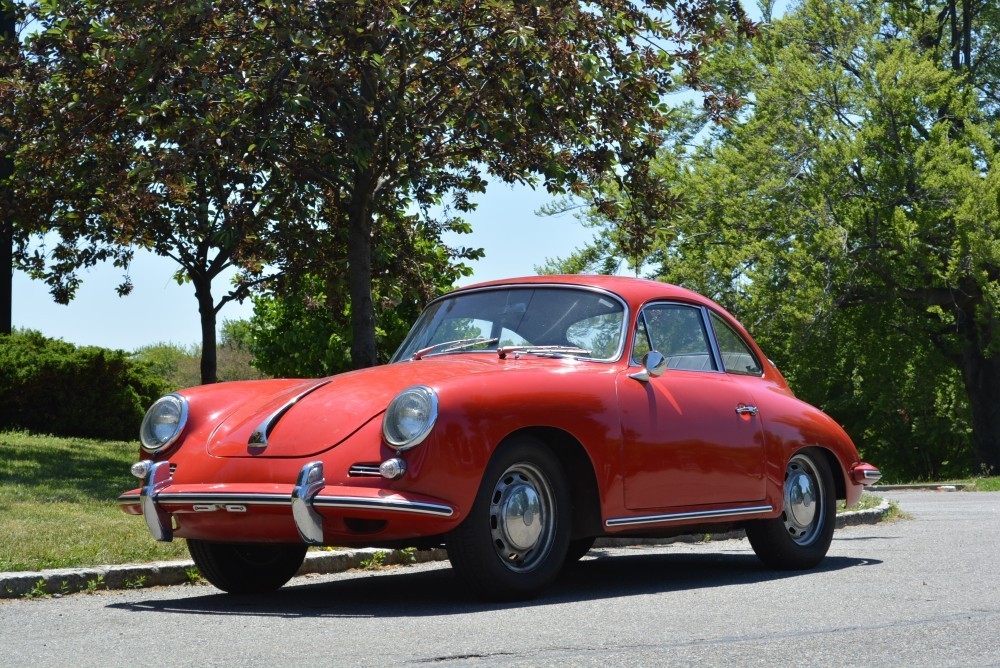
point(330, 413)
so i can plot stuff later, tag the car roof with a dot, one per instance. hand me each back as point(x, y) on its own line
point(634, 291)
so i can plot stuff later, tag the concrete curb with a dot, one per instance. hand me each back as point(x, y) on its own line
point(60, 581)
point(871, 516)
point(930, 487)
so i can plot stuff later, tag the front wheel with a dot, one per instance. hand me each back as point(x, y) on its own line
point(513, 541)
point(246, 568)
point(801, 536)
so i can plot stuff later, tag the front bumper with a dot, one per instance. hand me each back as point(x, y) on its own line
point(865, 474)
point(308, 511)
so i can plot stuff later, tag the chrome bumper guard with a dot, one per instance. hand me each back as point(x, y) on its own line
point(308, 522)
point(159, 521)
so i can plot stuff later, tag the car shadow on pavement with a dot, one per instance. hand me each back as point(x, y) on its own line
point(418, 592)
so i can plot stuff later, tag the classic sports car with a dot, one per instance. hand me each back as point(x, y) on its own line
point(519, 420)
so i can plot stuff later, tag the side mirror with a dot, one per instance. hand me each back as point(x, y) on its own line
point(653, 366)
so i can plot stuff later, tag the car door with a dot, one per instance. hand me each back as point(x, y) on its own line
point(690, 436)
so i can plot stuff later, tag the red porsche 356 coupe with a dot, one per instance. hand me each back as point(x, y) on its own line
point(519, 420)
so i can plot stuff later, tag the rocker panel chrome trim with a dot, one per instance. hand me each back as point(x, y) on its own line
point(681, 517)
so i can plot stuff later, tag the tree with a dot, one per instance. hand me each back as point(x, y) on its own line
point(148, 129)
point(233, 133)
point(851, 218)
point(406, 104)
point(304, 329)
point(10, 65)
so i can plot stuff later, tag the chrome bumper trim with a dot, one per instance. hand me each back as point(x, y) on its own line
point(681, 517)
point(872, 477)
point(319, 501)
point(159, 521)
point(217, 498)
point(399, 505)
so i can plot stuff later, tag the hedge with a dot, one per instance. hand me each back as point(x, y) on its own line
point(54, 387)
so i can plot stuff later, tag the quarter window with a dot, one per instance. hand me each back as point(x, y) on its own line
point(736, 354)
point(678, 333)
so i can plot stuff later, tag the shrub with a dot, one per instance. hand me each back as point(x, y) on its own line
point(180, 367)
point(176, 366)
point(51, 386)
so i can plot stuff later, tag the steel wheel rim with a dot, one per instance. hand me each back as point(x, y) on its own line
point(522, 517)
point(805, 499)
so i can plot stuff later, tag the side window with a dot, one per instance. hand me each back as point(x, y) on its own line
point(641, 345)
point(678, 333)
point(736, 354)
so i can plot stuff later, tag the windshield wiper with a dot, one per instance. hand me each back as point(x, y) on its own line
point(544, 351)
point(452, 346)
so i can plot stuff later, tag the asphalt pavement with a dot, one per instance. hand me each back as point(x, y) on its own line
point(916, 592)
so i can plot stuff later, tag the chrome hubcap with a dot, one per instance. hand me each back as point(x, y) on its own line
point(521, 517)
point(803, 514)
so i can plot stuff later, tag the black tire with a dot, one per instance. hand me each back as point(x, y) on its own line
point(513, 542)
point(800, 537)
point(578, 549)
point(246, 568)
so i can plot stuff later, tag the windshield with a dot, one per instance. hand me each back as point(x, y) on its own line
point(586, 323)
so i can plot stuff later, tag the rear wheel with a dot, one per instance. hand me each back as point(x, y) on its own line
point(801, 536)
point(513, 542)
point(246, 568)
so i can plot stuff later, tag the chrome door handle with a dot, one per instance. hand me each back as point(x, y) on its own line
point(747, 410)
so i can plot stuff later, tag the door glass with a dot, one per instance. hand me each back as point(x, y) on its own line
point(736, 354)
point(678, 333)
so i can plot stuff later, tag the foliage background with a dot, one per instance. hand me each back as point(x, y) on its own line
point(849, 217)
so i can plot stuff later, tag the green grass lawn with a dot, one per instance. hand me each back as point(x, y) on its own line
point(984, 484)
point(58, 509)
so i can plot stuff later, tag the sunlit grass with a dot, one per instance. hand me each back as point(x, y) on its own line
point(984, 484)
point(58, 509)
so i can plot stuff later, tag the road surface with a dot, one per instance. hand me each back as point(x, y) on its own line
point(917, 592)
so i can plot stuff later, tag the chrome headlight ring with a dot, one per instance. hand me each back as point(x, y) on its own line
point(163, 424)
point(410, 417)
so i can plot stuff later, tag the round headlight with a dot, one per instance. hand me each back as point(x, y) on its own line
point(163, 423)
point(410, 417)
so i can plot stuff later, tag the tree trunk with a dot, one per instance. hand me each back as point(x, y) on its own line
point(8, 46)
point(206, 308)
point(364, 352)
point(6, 251)
point(981, 375)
